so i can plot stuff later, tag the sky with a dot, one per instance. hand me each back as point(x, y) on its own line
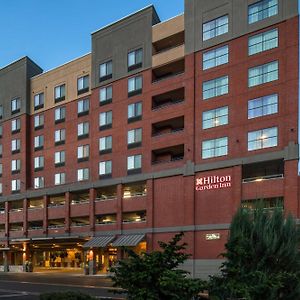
point(53, 32)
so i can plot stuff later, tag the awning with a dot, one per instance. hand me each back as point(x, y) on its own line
point(129, 240)
point(99, 241)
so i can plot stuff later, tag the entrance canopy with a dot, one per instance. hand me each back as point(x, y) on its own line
point(129, 240)
point(99, 242)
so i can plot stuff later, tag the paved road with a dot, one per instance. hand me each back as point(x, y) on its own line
point(28, 286)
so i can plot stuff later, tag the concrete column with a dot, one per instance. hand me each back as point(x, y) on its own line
point(25, 216)
point(5, 261)
point(92, 262)
point(67, 211)
point(45, 214)
point(92, 196)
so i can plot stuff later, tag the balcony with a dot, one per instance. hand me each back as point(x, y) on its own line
point(80, 198)
point(56, 201)
point(266, 170)
point(168, 70)
point(106, 193)
point(134, 217)
point(168, 154)
point(168, 56)
point(168, 34)
point(169, 126)
point(137, 189)
point(167, 99)
point(106, 219)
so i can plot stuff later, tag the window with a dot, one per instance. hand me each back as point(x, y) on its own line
point(38, 122)
point(105, 168)
point(105, 144)
point(134, 163)
point(83, 130)
point(105, 120)
point(1, 111)
point(83, 107)
point(215, 87)
point(135, 59)
point(215, 117)
point(83, 84)
point(15, 185)
point(215, 28)
point(60, 114)
point(15, 125)
point(106, 71)
point(215, 57)
point(105, 95)
point(264, 138)
point(135, 85)
point(263, 74)
point(15, 166)
point(1, 189)
point(263, 106)
point(1, 169)
point(15, 105)
point(82, 174)
point(59, 136)
point(134, 112)
point(83, 153)
point(1, 150)
point(38, 163)
point(38, 101)
point(215, 147)
point(38, 142)
point(263, 42)
point(262, 10)
point(60, 93)
point(59, 158)
point(1, 131)
point(15, 146)
point(134, 138)
point(60, 178)
point(39, 182)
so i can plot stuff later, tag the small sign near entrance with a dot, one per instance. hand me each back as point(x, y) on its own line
point(212, 236)
point(213, 182)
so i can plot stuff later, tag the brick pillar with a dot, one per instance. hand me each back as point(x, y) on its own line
point(45, 214)
point(92, 196)
point(67, 211)
point(25, 217)
point(119, 206)
point(7, 205)
point(150, 212)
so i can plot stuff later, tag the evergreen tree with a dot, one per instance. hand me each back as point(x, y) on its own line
point(262, 258)
point(155, 275)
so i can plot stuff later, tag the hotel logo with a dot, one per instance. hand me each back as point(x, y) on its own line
point(213, 182)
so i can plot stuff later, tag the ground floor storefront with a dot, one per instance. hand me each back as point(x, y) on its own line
point(94, 255)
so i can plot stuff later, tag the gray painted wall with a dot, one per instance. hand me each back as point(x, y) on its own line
point(198, 12)
point(14, 83)
point(113, 42)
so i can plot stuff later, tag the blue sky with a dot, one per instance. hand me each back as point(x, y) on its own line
point(52, 32)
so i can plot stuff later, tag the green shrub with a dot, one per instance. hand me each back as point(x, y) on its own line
point(65, 296)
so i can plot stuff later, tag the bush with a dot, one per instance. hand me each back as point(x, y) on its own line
point(65, 296)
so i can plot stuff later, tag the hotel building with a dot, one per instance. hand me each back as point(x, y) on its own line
point(166, 126)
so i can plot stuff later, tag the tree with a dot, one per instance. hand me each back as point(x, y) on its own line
point(155, 275)
point(262, 258)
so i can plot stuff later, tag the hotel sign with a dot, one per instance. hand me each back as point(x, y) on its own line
point(213, 182)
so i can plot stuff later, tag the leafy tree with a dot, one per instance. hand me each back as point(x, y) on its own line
point(155, 275)
point(262, 258)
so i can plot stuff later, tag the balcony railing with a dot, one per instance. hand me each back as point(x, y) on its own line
point(262, 178)
point(168, 103)
point(173, 159)
point(137, 194)
point(172, 131)
point(104, 198)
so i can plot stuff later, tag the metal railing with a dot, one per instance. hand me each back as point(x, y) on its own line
point(262, 178)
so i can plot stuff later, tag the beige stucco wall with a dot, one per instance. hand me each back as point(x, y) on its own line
point(167, 28)
point(66, 74)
